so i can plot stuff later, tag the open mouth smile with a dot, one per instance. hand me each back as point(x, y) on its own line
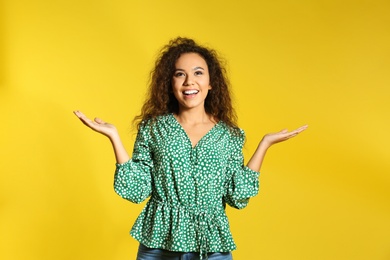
point(190, 92)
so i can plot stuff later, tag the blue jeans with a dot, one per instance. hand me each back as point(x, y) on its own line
point(145, 253)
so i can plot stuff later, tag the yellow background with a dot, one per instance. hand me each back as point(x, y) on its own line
point(324, 194)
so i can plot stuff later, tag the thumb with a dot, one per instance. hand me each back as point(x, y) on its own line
point(99, 121)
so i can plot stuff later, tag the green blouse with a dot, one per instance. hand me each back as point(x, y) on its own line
point(188, 186)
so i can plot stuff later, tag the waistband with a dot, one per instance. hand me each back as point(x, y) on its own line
point(202, 216)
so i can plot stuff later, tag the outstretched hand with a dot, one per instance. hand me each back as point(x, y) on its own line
point(283, 135)
point(268, 140)
point(97, 125)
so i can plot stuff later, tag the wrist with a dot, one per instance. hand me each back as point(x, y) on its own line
point(114, 137)
point(264, 145)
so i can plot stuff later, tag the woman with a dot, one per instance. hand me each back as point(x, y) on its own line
point(187, 158)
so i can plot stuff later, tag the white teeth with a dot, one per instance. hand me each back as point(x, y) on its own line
point(190, 92)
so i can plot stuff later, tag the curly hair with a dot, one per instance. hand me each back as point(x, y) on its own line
point(160, 98)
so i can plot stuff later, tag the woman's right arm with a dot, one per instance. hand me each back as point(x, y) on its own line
point(108, 130)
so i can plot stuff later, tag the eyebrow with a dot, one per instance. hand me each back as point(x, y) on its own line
point(196, 68)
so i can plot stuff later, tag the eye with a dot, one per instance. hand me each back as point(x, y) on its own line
point(179, 74)
point(198, 72)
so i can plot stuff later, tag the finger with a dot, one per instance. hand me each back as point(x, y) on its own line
point(297, 131)
point(99, 120)
point(85, 120)
point(78, 113)
point(292, 135)
point(300, 129)
point(82, 117)
point(304, 127)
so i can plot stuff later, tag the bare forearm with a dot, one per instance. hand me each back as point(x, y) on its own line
point(121, 154)
point(258, 157)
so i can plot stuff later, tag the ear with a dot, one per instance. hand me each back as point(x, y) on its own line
point(210, 87)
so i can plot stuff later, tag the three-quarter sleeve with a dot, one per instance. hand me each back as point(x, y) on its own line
point(242, 182)
point(132, 179)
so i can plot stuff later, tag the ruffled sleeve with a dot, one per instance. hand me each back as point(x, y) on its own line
point(242, 182)
point(132, 180)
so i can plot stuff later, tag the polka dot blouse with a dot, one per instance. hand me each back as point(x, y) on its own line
point(188, 186)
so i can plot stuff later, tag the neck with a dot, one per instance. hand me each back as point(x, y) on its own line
point(193, 116)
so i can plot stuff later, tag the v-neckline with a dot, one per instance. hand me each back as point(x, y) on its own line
point(188, 137)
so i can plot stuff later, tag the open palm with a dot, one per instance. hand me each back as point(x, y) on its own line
point(97, 124)
point(283, 135)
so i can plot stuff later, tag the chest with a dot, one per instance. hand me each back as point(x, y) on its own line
point(195, 133)
point(175, 150)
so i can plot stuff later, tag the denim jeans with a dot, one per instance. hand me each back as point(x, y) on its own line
point(145, 253)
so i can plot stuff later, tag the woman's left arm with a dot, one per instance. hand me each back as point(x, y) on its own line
point(268, 140)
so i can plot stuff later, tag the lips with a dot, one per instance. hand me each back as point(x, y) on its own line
point(190, 92)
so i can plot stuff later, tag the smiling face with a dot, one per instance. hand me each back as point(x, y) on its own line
point(190, 81)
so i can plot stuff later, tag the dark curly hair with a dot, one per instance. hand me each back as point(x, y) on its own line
point(160, 98)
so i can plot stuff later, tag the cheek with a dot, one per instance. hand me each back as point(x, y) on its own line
point(208, 81)
point(176, 83)
point(175, 89)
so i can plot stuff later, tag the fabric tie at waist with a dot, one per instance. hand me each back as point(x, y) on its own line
point(202, 217)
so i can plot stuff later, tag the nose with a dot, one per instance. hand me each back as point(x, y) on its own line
point(188, 81)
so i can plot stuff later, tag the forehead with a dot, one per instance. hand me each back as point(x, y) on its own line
point(190, 59)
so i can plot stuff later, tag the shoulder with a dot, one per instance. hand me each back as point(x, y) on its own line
point(158, 125)
point(236, 134)
point(155, 121)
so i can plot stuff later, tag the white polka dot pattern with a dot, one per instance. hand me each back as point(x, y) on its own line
point(189, 186)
